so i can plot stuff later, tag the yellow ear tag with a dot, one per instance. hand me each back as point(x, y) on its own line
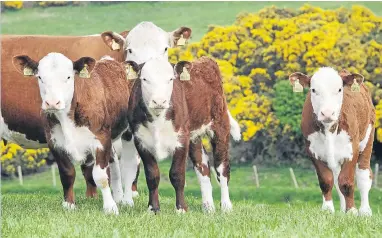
point(297, 87)
point(130, 73)
point(185, 76)
point(355, 86)
point(84, 73)
point(28, 71)
point(115, 45)
point(182, 41)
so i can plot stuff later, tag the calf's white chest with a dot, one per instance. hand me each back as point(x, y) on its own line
point(159, 137)
point(330, 147)
point(77, 141)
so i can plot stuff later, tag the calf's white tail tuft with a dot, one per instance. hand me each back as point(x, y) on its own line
point(235, 128)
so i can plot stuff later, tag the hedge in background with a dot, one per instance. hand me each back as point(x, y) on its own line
point(13, 155)
point(258, 52)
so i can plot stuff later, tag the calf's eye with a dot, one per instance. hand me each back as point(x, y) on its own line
point(339, 90)
point(144, 79)
point(313, 90)
point(130, 51)
point(165, 49)
point(68, 77)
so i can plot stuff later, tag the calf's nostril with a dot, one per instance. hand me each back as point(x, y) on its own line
point(58, 103)
point(154, 102)
point(164, 101)
point(47, 103)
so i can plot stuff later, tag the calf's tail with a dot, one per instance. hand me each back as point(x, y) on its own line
point(235, 127)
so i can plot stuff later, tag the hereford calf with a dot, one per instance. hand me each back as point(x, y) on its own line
point(81, 116)
point(168, 117)
point(337, 123)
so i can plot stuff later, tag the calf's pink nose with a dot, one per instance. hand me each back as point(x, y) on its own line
point(52, 103)
point(327, 113)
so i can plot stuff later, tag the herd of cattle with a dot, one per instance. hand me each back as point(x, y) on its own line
point(122, 101)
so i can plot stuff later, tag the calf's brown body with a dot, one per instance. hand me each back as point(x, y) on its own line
point(194, 103)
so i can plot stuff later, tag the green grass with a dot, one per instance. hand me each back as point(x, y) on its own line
point(275, 209)
point(93, 19)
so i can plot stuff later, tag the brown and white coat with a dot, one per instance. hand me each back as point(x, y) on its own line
point(338, 125)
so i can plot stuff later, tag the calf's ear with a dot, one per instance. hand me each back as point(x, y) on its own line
point(180, 36)
point(84, 66)
point(25, 65)
point(132, 69)
point(124, 34)
point(303, 79)
point(183, 69)
point(113, 40)
point(348, 78)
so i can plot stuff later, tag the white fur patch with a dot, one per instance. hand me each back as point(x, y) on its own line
point(204, 129)
point(129, 164)
point(101, 179)
point(115, 180)
point(77, 141)
point(332, 148)
point(107, 57)
point(364, 184)
point(226, 204)
point(206, 187)
point(363, 143)
point(69, 206)
point(327, 205)
point(235, 127)
point(147, 41)
point(159, 137)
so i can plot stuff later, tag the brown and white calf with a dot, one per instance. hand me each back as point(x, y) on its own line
point(81, 116)
point(168, 117)
point(338, 125)
point(143, 42)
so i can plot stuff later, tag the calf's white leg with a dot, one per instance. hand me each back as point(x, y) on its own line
point(364, 184)
point(101, 179)
point(129, 165)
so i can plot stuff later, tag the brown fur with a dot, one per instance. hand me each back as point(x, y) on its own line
point(357, 113)
point(99, 103)
point(194, 103)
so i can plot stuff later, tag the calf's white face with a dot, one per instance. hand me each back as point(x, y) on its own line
point(326, 94)
point(326, 91)
point(157, 81)
point(55, 74)
point(146, 41)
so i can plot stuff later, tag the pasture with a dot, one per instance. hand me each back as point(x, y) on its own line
point(276, 209)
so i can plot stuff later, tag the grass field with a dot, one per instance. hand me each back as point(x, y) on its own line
point(276, 209)
point(95, 19)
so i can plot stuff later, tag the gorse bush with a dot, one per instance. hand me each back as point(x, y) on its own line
point(13, 155)
point(258, 52)
point(12, 5)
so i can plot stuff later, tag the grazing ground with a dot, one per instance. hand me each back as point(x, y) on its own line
point(276, 209)
point(93, 19)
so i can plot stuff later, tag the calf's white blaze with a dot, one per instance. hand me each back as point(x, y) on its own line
point(326, 93)
point(101, 179)
point(157, 84)
point(146, 41)
point(56, 80)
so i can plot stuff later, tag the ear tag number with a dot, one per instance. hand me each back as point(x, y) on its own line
point(185, 76)
point(355, 86)
point(130, 73)
point(115, 45)
point(84, 73)
point(28, 71)
point(297, 87)
point(182, 41)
